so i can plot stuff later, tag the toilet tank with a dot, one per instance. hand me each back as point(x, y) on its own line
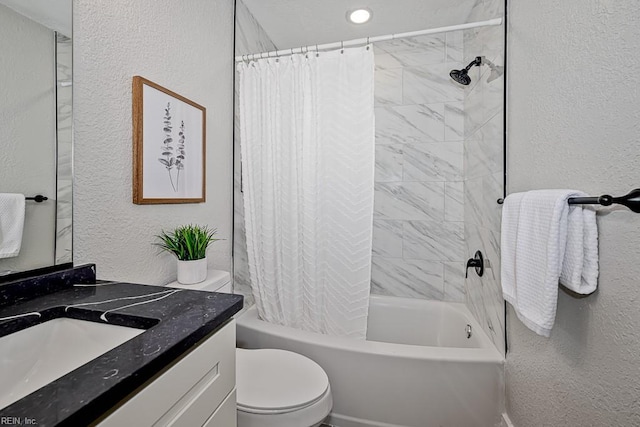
point(216, 281)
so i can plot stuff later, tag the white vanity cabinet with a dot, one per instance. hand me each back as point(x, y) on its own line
point(197, 390)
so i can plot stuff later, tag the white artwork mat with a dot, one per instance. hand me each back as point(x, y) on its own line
point(172, 163)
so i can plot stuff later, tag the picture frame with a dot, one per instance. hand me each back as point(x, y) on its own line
point(169, 146)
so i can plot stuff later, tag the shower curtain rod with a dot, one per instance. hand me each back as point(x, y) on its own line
point(366, 40)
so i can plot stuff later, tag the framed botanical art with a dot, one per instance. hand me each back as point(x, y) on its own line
point(169, 146)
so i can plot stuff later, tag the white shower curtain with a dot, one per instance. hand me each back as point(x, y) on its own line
point(307, 146)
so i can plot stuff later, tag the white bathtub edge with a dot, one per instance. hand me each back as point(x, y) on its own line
point(487, 354)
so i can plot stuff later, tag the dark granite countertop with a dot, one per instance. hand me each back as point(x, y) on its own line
point(174, 320)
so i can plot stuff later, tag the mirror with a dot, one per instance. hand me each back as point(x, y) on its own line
point(36, 129)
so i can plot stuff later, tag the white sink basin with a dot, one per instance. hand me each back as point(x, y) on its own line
point(34, 357)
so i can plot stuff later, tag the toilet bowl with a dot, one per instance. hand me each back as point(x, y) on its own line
point(275, 388)
point(278, 388)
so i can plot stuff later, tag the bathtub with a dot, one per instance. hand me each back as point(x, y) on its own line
point(417, 367)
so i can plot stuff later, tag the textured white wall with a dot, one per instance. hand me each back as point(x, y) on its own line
point(27, 132)
point(574, 122)
point(186, 47)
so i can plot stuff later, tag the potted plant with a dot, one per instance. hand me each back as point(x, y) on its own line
point(189, 244)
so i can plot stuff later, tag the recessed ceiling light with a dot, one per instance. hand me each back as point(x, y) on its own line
point(359, 16)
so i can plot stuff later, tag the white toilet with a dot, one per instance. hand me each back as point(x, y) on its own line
point(275, 388)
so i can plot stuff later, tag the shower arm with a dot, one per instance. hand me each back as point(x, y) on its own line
point(476, 62)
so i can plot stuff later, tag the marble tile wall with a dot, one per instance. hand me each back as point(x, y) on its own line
point(484, 178)
point(64, 118)
point(250, 38)
point(418, 227)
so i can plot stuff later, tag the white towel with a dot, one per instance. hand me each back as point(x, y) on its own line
point(11, 224)
point(580, 266)
point(543, 239)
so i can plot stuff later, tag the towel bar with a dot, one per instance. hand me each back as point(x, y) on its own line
point(37, 198)
point(630, 200)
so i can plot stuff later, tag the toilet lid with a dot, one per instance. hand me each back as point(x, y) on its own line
point(277, 380)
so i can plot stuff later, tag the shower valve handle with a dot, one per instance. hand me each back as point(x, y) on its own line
point(477, 262)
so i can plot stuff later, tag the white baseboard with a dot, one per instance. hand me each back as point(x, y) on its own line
point(506, 421)
point(338, 420)
point(335, 420)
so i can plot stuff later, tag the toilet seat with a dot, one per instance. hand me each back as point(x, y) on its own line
point(271, 381)
point(324, 396)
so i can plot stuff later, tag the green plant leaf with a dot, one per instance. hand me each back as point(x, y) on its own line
point(187, 242)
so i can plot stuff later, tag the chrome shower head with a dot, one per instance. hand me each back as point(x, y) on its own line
point(462, 76)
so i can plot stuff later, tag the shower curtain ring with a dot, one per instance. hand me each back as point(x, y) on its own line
point(342, 46)
point(317, 51)
point(368, 43)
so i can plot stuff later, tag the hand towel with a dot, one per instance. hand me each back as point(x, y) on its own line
point(543, 237)
point(580, 266)
point(508, 239)
point(11, 224)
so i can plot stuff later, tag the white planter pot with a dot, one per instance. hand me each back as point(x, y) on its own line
point(192, 272)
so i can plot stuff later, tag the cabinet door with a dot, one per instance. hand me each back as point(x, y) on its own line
point(187, 393)
point(226, 415)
